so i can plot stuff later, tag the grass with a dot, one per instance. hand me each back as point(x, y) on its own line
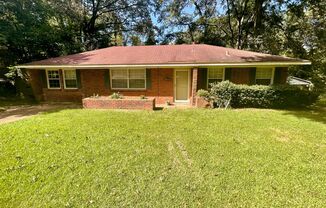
point(173, 158)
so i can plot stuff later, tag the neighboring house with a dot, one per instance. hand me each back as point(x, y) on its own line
point(171, 73)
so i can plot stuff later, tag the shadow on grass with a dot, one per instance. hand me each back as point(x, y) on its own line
point(312, 114)
point(316, 112)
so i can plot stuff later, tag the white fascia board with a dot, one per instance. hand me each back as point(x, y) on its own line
point(250, 64)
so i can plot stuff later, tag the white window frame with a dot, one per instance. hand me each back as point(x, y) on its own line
point(223, 77)
point(128, 78)
point(273, 74)
point(64, 79)
point(48, 79)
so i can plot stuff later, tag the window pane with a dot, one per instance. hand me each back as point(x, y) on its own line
point(137, 74)
point(54, 83)
point(215, 73)
point(136, 83)
point(263, 81)
point(119, 83)
point(264, 73)
point(119, 73)
point(53, 74)
point(70, 74)
point(71, 83)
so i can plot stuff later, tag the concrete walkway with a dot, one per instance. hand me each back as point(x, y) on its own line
point(15, 113)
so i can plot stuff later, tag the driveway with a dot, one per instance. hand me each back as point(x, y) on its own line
point(15, 113)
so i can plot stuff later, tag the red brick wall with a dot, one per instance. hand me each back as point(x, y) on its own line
point(126, 103)
point(194, 85)
point(62, 95)
point(41, 93)
point(36, 84)
point(92, 82)
point(201, 103)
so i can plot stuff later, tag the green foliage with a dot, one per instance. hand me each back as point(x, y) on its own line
point(7, 89)
point(292, 28)
point(259, 96)
point(204, 94)
point(135, 40)
point(19, 78)
point(38, 29)
point(116, 95)
point(15, 73)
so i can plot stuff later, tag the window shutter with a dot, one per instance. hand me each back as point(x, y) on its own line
point(107, 79)
point(252, 75)
point(228, 73)
point(43, 79)
point(202, 79)
point(148, 79)
point(277, 75)
point(79, 83)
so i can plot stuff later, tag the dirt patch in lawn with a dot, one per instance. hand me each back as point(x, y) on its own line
point(282, 136)
point(15, 113)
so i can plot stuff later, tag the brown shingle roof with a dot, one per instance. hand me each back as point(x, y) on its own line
point(164, 54)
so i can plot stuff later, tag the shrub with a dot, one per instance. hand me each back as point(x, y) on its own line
point(204, 94)
point(116, 95)
point(259, 96)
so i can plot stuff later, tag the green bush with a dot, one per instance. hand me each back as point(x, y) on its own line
point(116, 95)
point(204, 94)
point(259, 96)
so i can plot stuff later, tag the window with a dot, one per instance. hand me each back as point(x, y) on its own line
point(70, 79)
point(53, 79)
point(264, 76)
point(215, 75)
point(128, 78)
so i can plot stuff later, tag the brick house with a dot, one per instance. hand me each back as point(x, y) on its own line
point(171, 73)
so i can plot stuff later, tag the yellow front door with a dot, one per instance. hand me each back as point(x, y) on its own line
point(181, 85)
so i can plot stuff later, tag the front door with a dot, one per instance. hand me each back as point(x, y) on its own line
point(181, 84)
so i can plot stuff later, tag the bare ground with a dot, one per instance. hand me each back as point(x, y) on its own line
point(15, 113)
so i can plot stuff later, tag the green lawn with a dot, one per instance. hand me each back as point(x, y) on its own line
point(172, 158)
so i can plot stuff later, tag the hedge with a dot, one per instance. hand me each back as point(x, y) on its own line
point(259, 96)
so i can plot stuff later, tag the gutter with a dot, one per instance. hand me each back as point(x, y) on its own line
point(180, 65)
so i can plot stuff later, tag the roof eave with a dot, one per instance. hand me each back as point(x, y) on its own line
point(99, 66)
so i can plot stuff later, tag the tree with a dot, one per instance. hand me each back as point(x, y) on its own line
point(103, 17)
point(135, 40)
point(25, 32)
point(37, 29)
point(305, 29)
